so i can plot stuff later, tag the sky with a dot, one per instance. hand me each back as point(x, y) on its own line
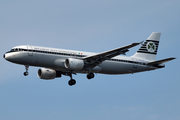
point(94, 26)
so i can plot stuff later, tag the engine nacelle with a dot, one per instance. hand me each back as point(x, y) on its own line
point(46, 74)
point(74, 64)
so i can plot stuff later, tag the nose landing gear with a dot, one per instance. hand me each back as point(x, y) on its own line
point(26, 73)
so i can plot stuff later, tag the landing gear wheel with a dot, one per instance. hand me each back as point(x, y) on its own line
point(72, 82)
point(90, 75)
point(26, 67)
point(26, 73)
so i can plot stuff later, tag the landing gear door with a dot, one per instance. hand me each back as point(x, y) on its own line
point(30, 50)
point(135, 65)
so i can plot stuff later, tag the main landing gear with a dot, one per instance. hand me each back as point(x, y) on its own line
point(26, 73)
point(71, 81)
point(90, 75)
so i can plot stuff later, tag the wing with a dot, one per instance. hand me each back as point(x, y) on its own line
point(94, 60)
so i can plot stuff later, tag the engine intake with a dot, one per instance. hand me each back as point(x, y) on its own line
point(46, 74)
point(74, 64)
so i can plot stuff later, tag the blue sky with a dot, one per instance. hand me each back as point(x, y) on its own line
point(95, 26)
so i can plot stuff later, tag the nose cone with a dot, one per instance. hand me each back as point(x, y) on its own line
point(4, 56)
point(7, 56)
point(11, 57)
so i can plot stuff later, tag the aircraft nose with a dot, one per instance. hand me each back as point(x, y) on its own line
point(4, 56)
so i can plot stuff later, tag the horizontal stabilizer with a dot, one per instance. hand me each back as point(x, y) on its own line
point(160, 61)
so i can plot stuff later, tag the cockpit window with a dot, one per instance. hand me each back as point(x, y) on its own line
point(16, 50)
point(12, 50)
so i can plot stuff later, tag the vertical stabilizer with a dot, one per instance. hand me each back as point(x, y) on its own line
point(149, 49)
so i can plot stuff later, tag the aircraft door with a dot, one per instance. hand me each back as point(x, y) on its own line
point(30, 50)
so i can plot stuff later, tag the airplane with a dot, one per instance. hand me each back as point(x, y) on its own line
point(58, 62)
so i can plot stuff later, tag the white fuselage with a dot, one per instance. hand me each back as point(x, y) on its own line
point(54, 59)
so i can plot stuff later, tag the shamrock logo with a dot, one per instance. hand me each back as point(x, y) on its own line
point(151, 47)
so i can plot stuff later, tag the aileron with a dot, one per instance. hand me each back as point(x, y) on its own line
point(109, 54)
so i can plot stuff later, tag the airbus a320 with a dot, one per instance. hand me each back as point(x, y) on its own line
point(58, 62)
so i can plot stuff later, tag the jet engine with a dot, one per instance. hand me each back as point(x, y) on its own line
point(74, 64)
point(47, 74)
